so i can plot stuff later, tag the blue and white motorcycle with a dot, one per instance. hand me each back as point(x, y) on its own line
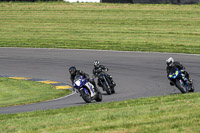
point(181, 82)
point(86, 90)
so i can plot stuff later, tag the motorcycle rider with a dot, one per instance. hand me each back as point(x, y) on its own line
point(171, 64)
point(99, 68)
point(74, 72)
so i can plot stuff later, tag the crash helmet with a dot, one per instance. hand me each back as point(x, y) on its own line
point(96, 63)
point(169, 61)
point(72, 70)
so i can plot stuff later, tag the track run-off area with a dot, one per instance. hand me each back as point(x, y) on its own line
point(137, 74)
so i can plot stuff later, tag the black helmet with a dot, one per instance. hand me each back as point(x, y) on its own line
point(96, 63)
point(72, 70)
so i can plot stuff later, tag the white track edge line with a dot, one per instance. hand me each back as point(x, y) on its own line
point(62, 97)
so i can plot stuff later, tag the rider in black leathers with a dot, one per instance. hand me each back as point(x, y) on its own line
point(74, 72)
point(174, 64)
point(99, 68)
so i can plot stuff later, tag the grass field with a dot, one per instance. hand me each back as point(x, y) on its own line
point(166, 114)
point(16, 92)
point(130, 27)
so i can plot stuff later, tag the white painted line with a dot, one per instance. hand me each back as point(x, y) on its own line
point(62, 97)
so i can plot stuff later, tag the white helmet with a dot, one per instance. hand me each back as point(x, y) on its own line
point(169, 61)
point(96, 63)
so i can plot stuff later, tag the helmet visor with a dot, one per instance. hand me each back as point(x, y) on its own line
point(72, 71)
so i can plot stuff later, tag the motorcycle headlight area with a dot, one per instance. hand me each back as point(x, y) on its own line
point(78, 82)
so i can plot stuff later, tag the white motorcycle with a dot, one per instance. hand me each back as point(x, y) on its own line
point(86, 89)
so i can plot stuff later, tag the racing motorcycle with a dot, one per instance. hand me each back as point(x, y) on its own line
point(105, 82)
point(86, 90)
point(181, 82)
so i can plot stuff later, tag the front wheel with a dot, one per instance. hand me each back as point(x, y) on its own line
point(181, 86)
point(86, 96)
point(105, 87)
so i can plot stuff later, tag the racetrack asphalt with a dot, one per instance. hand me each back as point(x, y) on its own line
point(137, 74)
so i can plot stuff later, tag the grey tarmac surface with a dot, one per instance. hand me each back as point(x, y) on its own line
point(137, 74)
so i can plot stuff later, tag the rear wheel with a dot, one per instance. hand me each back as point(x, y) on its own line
point(112, 90)
point(191, 86)
point(98, 97)
point(111, 85)
point(181, 86)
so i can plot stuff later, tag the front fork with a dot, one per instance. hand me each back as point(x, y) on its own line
point(185, 80)
point(106, 82)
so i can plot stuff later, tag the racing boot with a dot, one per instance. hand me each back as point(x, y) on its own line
point(191, 87)
point(112, 82)
point(95, 88)
point(190, 80)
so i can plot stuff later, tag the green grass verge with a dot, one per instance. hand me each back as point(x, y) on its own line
point(130, 27)
point(16, 92)
point(166, 114)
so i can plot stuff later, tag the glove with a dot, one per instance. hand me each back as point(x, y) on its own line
point(99, 69)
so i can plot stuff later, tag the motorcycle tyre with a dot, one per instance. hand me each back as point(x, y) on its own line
point(112, 90)
point(108, 91)
point(98, 97)
point(180, 87)
point(192, 88)
point(86, 98)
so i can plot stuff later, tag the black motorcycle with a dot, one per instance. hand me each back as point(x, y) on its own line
point(104, 81)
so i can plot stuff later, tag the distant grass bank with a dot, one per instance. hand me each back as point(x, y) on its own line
point(130, 27)
point(16, 92)
point(166, 114)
